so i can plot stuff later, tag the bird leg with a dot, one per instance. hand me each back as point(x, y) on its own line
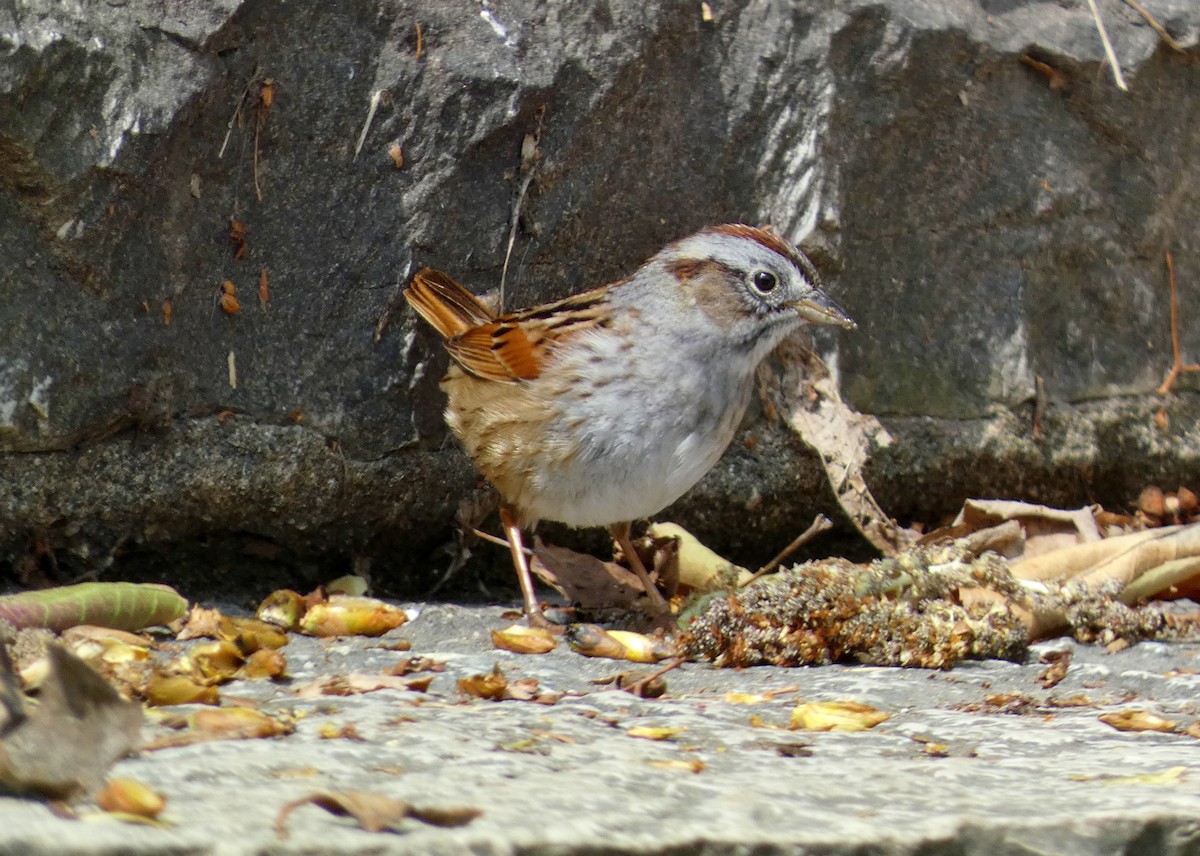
point(620, 534)
point(512, 531)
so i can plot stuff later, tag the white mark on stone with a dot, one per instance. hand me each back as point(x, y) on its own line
point(1011, 380)
point(13, 377)
point(499, 28)
point(39, 400)
point(791, 163)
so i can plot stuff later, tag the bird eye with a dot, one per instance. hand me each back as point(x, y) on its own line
point(764, 281)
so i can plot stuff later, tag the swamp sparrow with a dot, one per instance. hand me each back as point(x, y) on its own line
point(608, 406)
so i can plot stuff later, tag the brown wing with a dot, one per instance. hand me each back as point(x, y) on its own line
point(497, 351)
point(508, 348)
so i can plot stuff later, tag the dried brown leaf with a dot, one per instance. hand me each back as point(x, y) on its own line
point(584, 579)
point(356, 683)
point(375, 812)
point(1059, 663)
point(489, 686)
point(233, 723)
point(165, 690)
point(1139, 720)
point(843, 438)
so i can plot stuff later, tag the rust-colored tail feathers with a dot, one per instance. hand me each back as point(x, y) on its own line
point(447, 306)
point(485, 345)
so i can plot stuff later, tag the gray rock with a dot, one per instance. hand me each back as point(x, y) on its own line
point(986, 222)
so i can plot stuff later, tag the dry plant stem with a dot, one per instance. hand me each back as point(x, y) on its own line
point(620, 534)
point(1177, 367)
point(371, 110)
point(237, 111)
point(529, 158)
point(820, 524)
point(1118, 78)
point(1154, 24)
point(512, 231)
point(533, 609)
point(499, 542)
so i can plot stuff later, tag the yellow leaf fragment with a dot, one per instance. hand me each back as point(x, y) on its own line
point(695, 765)
point(747, 698)
point(127, 796)
point(1169, 776)
point(650, 732)
point(757, 721)
point(238, 722)
point(178, 689)
point(593, 641)
point(699, 567)
point(836, 716)
point(264, 663)
point(522, 639)
point(211, 661)
point(350, 584)
point(283, 608)
point(343, 615)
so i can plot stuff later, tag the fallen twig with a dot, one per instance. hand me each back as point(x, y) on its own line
point(1157, 27)
point(820, 524)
